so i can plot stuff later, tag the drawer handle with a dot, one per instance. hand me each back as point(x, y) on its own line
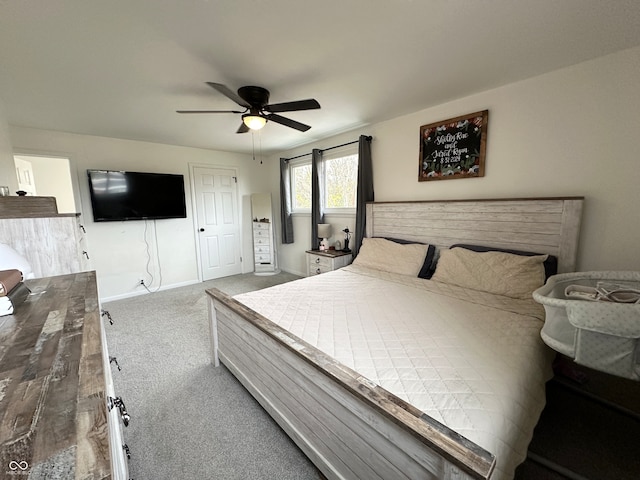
point(117, 402)
point(106, 312)
point(115, 360)
point(317, 260)
point(317, 270)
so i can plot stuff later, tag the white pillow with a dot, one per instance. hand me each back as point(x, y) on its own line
point(388, 256)
point(10, 259)
point(501, 273)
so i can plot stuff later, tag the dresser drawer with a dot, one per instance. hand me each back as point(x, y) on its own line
point(261, 235)
point(262, 248)
point(261, 229)
point(261, 241)
point(262, 258)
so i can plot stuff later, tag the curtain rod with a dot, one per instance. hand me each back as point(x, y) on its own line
point(369, 138)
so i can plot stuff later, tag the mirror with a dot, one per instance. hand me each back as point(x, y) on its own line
point(261, 207)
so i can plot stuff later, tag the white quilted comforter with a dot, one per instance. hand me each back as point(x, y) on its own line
point(471, 360)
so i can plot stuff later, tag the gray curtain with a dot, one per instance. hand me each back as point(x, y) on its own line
point(317, 195)
point(365, 190)
point(285, 201)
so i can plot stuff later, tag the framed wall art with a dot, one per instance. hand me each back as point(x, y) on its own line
point(453, 148)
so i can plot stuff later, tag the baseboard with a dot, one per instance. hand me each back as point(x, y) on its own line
point(295, 272)
point(146, 292)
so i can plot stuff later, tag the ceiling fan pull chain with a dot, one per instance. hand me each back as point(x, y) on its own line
point(253, 145)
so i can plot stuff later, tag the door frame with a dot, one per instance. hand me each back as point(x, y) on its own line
point(194, 209)
point(76, 179)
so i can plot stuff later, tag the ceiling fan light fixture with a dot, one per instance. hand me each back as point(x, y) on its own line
point(257, 109)
point(254, 122)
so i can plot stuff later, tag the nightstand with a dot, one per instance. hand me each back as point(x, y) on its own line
point(321, 261)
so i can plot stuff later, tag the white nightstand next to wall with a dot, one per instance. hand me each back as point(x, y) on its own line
point(321, 261)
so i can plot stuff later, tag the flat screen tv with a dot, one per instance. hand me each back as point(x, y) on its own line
point(118, 195)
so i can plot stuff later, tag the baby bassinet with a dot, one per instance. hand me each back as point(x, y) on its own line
point(601, 335)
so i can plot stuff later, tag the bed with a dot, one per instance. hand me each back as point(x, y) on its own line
point(376, 373)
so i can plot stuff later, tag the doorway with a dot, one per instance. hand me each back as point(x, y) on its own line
point(217, 221)
point(47, 176)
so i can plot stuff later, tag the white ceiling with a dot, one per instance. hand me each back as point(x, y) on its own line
point(120, 68)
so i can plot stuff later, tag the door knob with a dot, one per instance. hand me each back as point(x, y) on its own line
point(202, 229)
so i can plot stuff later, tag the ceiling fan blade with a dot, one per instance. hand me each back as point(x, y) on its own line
point(208, 111)
point(287, 122)
point(242, 128)
point(309, 104)
point(223, 89)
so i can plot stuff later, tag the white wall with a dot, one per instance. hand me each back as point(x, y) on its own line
point(118, 250)
point(7, 169)
point(569, 132)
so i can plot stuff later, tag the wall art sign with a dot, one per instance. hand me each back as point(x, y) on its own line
point(453, 148)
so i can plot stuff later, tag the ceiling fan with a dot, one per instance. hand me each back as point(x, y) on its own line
point(257, 110)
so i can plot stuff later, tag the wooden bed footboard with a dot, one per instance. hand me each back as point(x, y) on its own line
point(349, 427)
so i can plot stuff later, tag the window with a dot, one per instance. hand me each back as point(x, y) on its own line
point(341, 181)
point(301, 187)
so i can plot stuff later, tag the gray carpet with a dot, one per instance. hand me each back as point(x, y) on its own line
point(190, 420)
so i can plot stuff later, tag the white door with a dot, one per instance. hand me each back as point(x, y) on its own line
point(218, 222)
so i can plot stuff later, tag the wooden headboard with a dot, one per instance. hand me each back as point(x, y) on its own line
point(542, 225)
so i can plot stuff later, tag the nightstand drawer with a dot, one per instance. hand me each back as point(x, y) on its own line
point(318, 261)
point(318, 269)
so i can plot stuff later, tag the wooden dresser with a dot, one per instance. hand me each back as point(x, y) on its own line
point(55, 386)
